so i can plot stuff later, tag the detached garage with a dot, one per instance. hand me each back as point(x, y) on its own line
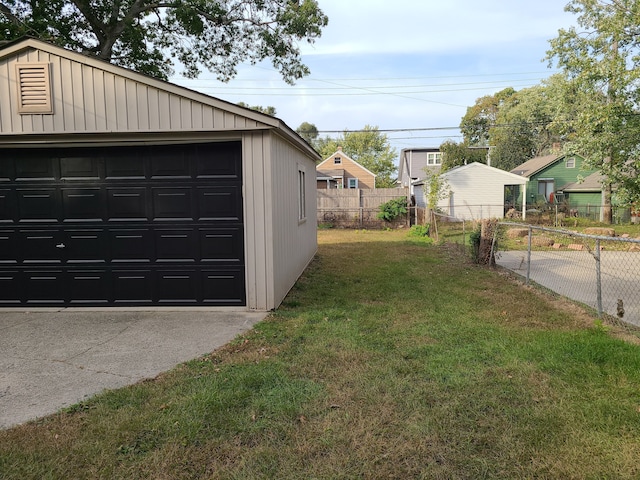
point(117, 189)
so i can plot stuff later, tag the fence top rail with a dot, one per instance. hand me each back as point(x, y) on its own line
point(571, 233)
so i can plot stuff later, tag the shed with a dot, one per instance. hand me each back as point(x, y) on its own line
point(117, 189)
point(473, 192)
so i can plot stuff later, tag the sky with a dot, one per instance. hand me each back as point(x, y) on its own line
point(409, 67)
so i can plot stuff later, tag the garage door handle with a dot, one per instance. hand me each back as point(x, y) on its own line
point(60, 245)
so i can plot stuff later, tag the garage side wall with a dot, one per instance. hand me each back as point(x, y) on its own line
point(279, 244)
point(294, 225)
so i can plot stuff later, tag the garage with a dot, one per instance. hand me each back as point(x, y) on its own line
point(121, 190)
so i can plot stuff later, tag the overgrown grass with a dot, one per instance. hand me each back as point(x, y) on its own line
point(390, 358)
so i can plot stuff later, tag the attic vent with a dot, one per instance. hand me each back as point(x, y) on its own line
point(34, 88)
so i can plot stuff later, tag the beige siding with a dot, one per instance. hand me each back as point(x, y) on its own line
point(87, 99)
point(294, 240)
point(257, 238)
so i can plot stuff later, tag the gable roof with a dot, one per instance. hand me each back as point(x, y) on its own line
point(339, 153)
point(413, 161)
point(477, 166)
point(591, 183)
point(536, 164)
point(114, 99)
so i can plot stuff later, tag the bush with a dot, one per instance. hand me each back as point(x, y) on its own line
point(419, 231)
point(392, 209)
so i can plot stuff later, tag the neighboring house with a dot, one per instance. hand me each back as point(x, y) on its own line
point(549, 175)
point(583, 197)
point(340, 171)
point(414, 164)
point(473, 192)
point(117, 189)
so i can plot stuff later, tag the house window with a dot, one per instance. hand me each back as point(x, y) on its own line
point(545, 187)
point(302, 194)
point(34, 88)
point(570, 162)
point(434, 158)
point(352, 183)
point(337, 160)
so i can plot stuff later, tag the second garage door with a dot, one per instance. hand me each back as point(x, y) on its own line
point(153, 225)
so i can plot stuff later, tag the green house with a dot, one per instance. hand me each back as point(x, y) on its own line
point(562, 180)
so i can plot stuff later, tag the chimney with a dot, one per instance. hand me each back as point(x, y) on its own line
point(339, 149)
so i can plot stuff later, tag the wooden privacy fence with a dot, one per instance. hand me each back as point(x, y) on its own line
point(356, 207)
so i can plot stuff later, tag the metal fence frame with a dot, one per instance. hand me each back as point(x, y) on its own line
point(596, 254)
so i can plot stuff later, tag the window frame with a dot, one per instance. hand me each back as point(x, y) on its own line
point(302, 195)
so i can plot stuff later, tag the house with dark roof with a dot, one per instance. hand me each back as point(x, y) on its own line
point(415, 163)
point(341, 171)
point(560, 179)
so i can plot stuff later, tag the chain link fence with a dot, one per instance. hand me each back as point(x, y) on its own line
point(597, 268)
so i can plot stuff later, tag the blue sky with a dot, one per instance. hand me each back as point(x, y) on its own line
point(404, 64)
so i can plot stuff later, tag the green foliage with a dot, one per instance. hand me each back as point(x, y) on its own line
point(309, 132)
point(419, 230)
point(392, 209)
point(601, 61)
point(258, 108)
point(517, 125)
point(456, 154)
point(369, 148)
point(149, 36)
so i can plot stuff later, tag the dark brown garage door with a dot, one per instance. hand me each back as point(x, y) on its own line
point(158, 225)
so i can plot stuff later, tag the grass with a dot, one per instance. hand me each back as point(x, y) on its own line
point(390, 358)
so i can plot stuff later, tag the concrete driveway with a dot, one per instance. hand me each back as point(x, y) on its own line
point(51, 359)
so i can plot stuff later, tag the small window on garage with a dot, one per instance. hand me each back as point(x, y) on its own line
point(302, 194)
point(352, 183)
point(34, 88)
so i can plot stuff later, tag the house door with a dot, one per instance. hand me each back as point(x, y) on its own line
point(143, 225)
point(546, 189)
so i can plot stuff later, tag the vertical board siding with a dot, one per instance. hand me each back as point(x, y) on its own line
point(87, 99)
point(294, 241)
point(256, 235)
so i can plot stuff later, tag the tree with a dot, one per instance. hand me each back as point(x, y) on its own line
point(369, 148)
point(518, 125)
point(456, 154)
point(271, 111)
point(309, 132)
point(601, 62)
point(148, 36)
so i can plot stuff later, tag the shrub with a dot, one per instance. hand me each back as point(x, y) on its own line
point(419, 231)
point(392, 209)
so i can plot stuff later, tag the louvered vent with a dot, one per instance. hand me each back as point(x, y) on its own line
point(34, 88)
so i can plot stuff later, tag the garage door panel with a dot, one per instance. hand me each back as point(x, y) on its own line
point(176, 245)
point(172, 204)
point(169, 162)
point(131, 245)
point(220, 203)
point(224, 162)
point(127, 204)
point(41, 246)
point(177, 286)
point(9, 251)
point(124, 166)
point(85, 246)
point(89, 287)
point(82, 204)
point(38, 205)
point(221, 245)
point(44, 287)
point(10, 287)
point(36, 168)
point(132, 287)
point(223, 287)
point(7, 206)
point(84, 167)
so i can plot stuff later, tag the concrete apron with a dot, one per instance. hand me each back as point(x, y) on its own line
point(51, 359)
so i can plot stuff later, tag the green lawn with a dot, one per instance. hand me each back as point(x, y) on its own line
point(390, 358)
